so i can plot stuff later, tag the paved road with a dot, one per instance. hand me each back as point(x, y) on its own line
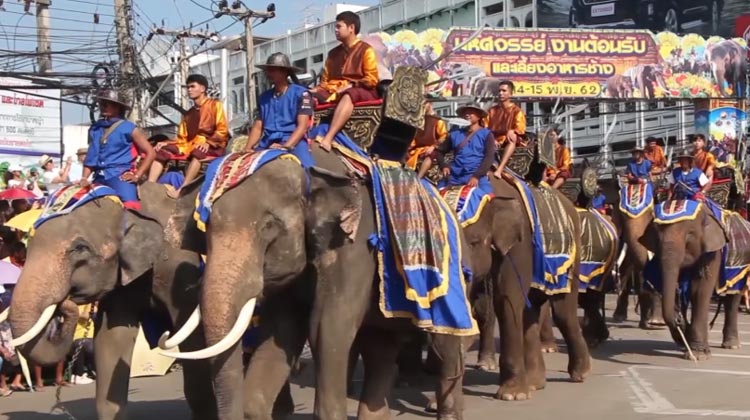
point(637, 375)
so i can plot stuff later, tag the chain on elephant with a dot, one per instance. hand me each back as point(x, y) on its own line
point(68, 372)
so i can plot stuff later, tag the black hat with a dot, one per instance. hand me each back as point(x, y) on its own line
point(279, 61)
point(197, 78)
point(112, 96)
point(471, 106)
point(686, 154)
point(638, 149)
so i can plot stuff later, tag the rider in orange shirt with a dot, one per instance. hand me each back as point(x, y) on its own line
point(507, 123)
point(655, 154)
point(563, 163)
point(350, 74)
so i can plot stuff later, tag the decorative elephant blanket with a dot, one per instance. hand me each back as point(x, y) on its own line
point(598, 249)
point(735, 264)
point(733, 276)
point(418, 243)
point(552, 237)
point(674, 211)
point(67, 199)
point(226, 173)
point(467, 202)
point(636, 199)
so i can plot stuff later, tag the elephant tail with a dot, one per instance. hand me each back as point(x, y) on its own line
point(716, 315)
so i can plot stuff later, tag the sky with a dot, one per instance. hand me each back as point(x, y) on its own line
point(85, 42)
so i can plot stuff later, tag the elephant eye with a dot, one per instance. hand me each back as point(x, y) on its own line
point(79, 246)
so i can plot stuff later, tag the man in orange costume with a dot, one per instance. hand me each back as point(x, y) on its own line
point(704, 160)
point(350, 74)
point(202, 133)
point(563, 162)
point(655, 154)
point(434, 132)
point(507, 123)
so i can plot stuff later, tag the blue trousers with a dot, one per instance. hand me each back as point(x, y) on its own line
point(127, 191)
point(301, 150)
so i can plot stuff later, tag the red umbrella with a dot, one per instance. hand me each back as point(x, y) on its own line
point(17, 194)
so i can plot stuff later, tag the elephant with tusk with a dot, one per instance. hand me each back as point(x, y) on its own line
point(101, 252)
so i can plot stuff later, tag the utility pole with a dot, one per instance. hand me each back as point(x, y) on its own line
point(182, 36)
point(44, 55)
point(241, 12)
point(128, 80)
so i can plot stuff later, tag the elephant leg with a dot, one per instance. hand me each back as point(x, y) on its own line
point(565, 315)
point(283, 335)
point(284, 404)
point(409, 361)
point(701, 290)
point(379, 352)
point(595, 329)
point(196, 377)
point(486, 321)
point(343, 295)
point(509, 306)
point(547, 335)
point(116, 331)
point(621, 309)
point(533, 359)
point(449, 393)
point(731, 339)
point(352, 367)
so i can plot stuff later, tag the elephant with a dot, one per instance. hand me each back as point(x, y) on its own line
point(632, 228)
point(99, 252)
point(308, 235)
point(598, 246)
point(619, 86)
point(486, 87)
point(727, 59)
point(501, 249)
point(691, 250)
point(644, 76)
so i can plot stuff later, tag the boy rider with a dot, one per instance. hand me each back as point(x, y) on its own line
point(202, 133)
point(350, 74)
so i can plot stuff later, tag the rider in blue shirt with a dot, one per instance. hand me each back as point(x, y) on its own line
point(639, 168)
point(114, 145)
point(473, 152)
point(284, 112)
point(687, 181)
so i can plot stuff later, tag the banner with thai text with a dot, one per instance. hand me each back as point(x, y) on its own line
point(29, 122)
point(570, 63)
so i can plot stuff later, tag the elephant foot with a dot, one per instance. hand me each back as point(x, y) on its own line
point(657, 322)
point(595, 337)
point(580, 370)
point(731, 343)
point(487, 363)
point(619, 316)
point(537, 381)
point(431, 406)
point(549, 348)
point(512, 391)
point(700, 355)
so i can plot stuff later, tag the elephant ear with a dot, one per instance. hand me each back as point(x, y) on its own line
point(650, 238)
point(181, 231)
point(714, 237)
point(142, 243)
point(507, 227)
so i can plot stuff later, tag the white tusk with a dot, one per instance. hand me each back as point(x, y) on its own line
point(234, 335)
point(35, 329)
point(622, 254)
point(4, 314)
point(166, 343)
point(650, 255)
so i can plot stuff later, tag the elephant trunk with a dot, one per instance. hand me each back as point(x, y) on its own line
point(41, 318)
point(233, 279)
point(718, 72)
point(672, 255)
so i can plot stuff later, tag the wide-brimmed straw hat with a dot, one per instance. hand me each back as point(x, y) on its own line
point(471, 106)
point(112, 96)
point(44, 160)
point(279, 61)
point(638, 149)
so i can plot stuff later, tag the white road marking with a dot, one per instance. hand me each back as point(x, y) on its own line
point(648, 401)
point(713, 354)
